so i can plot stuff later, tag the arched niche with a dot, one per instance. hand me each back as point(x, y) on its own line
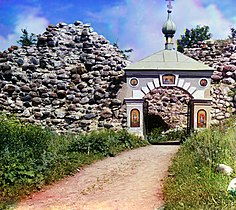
point(201, 118)
point(134, 118)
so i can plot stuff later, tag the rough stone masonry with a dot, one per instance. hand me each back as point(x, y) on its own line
point(70, 79)
point(222, 56)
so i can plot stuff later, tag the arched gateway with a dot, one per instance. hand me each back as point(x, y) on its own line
point(166, 107)
point(167, 71)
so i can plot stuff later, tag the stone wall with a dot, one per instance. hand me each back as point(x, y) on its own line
point(222, 56)
point(68, 81)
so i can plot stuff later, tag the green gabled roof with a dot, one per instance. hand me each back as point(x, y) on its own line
point(168, 60)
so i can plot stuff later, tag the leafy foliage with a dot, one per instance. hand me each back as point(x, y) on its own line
point(27, 39)
point(232, 92)
point(193, 181)
point(193, 36)
point(31, 156)
point(106, 142)
point(233, 33)
point(125, 53)
point(158, 135)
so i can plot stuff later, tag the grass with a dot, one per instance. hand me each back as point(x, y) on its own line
point(158, 135)
point(32, 157)
point(193, 181)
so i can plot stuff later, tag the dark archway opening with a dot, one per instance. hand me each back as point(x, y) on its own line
point(154, 122)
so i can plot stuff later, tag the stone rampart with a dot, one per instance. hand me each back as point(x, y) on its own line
point(68, 81)
point(222, 56)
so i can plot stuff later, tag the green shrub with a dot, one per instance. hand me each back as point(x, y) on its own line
point(193, 181)
point(158, 135)
point(31, 156)
point(232, 92)
point(28, 155)
point(106, 142)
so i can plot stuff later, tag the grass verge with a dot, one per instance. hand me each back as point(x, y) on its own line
point(31, 157)
point(193, 181)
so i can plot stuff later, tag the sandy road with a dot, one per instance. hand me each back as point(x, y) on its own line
point(129, 181)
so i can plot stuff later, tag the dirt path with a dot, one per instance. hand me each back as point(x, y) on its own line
point(129, 181)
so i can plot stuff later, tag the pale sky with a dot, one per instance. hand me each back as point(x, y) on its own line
point(133, 24)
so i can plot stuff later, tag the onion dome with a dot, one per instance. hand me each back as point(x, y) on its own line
point(169, 27)
point(169, 30)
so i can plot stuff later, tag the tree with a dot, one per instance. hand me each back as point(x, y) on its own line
point(193, 36)
point(233, 33)
point(26, 39)
point(125, 52)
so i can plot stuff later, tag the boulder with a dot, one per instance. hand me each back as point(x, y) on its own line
point(90, 116)
point(106, 113)
point(222, 168)
point(60, 113)
point(216, 77)
point(233, 56)
point(36, 101)
point(229, 81)
point(232, 185)
point(9, 88)
point(84, 100)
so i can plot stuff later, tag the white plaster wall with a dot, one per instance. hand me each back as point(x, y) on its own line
point(124, 92)
point(135, 130)
point(207, 108)
point(191, 85)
